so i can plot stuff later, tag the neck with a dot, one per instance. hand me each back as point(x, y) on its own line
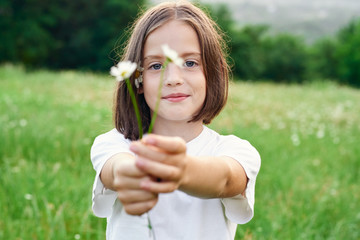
point(185, 130)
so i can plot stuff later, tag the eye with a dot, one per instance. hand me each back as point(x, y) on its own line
point(156, 66)
point(190, 64)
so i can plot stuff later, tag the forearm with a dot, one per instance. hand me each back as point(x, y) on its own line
point(213, 177)
point(165, 159)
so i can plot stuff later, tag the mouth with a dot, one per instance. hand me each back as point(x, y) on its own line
point(176, 97)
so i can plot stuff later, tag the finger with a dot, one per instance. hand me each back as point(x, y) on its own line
point(149, 152)
point(124, 182)
point(126, 168)
point(158, 170)
point(159, 187)
point(134, 196)
point(140, 208)
point(168, 144)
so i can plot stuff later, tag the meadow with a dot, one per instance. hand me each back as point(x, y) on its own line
point(307, 135)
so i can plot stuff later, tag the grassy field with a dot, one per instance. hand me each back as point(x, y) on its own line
point(308, 137)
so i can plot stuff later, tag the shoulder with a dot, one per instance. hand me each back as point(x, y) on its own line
point(228, 141)
point(234, 146)
point(107, 145)
point(111, 136)
point(111, 141)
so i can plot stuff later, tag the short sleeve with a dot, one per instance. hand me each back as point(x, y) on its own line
point(104, 147)
point(240, 209)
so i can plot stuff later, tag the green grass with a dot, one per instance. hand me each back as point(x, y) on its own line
point(308, 138)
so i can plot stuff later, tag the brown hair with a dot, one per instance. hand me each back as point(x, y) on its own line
point(216, 69)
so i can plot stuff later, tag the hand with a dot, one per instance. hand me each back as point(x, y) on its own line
point(162, 158)
point(127, 179)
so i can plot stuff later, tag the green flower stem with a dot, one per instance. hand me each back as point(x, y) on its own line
point(136, 108)
point(137, 113)
point(158, 97)
point(151, 230)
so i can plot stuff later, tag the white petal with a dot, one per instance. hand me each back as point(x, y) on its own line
point(119, 78)
point(114, 71)
point(168, 52)
point(172, 55)
point(128, 68)
point(165, 49)
point(123, 70)
point(140, 79)
point(179, 62)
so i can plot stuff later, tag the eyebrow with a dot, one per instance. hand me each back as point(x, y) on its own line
point(182, 55)
point(153, 57)
point(191, 54)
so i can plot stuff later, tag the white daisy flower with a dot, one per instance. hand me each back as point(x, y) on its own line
point(172, 55)
point(138, 76)
point(123, 70)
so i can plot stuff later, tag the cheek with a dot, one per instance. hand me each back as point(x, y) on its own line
point(150, 81)
point(149, 89)
point(202, 88)
point(203, 95)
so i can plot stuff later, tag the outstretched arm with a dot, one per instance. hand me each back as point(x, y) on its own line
point(166, 160)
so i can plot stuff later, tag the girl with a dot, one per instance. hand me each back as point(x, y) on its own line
point(191, 182)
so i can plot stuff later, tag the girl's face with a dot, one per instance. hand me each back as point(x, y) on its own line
point(184, 89)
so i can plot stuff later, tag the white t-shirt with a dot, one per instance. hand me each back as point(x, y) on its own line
point(178, 215)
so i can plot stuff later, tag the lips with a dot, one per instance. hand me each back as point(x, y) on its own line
point(176, 97)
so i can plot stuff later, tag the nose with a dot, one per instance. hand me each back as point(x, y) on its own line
point(173, 75)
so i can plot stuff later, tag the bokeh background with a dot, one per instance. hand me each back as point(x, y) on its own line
point(281, 41)
point(294, 95)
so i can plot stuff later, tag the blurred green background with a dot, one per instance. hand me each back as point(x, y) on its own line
point(296, 101)
point(88, 35)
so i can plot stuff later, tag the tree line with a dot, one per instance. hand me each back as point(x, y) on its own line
point(257, 55)
point(83, 34)
point(64, 34)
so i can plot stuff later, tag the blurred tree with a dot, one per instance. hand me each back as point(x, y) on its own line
point(338, 58)
point(82, 34)
point(244, 44)
point(63, 33)
point(247, 51)
point(7, 44)
point(286, 58)
point(222, 15)
point(348, 53)
point(323, 61)
point(24, 34)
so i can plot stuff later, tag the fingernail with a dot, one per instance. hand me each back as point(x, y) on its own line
point(140, 163)
point(149, 140)
point(144, 184)
point(133, 147)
